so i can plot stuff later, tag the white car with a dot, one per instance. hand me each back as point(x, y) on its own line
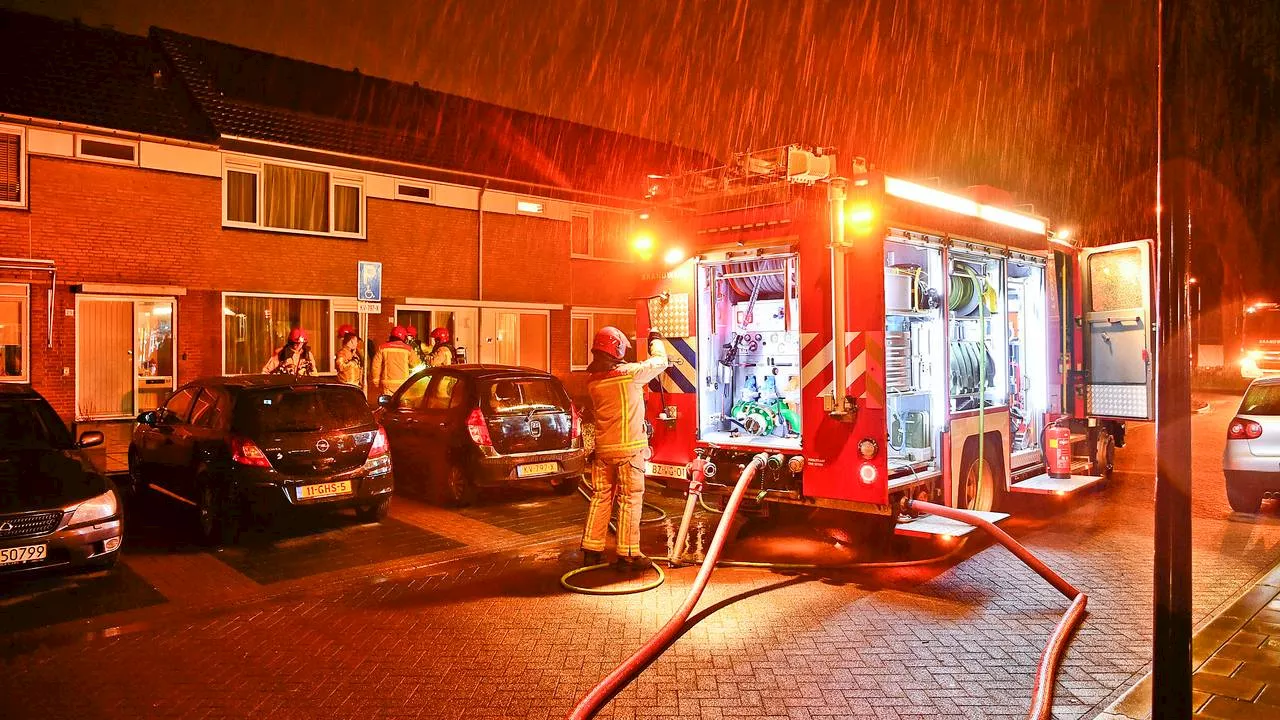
point(1251, 462)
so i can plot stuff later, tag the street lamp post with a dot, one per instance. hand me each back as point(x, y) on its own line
point(1195, 327)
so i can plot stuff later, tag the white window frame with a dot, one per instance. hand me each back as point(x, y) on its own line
point(591, 233)
point(589, 314)
point(414, 198)
point(337, 304)
point(21, 291)
point(82, 155)
point(23, 177)
point(255, 166)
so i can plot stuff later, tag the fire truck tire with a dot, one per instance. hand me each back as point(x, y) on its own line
point(1102, 460)
point(979, 487)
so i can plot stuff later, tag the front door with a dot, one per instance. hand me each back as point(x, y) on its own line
point(125, 356)
point(461, 322)
point(510, 336)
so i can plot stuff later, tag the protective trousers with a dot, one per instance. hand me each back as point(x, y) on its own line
point(621, 478)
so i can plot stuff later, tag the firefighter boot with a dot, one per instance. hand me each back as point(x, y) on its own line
point(592, 557)
point(634, 563)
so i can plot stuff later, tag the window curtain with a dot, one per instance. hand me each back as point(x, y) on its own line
point(346, 209)
point(10, 167)
point(242, 197)
point(296, 199)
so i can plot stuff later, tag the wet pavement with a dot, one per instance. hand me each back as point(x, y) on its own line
point(442, 613)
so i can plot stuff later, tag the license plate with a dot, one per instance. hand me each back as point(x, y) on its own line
point(535, 469)
point(24, 554)
point(322, 490)
point(661, 470)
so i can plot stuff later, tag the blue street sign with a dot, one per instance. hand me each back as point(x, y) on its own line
point(369, 281)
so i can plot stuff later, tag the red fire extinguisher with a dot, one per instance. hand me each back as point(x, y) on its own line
point(1057, 451)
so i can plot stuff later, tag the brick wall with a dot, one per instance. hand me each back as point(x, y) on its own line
point(109, 224)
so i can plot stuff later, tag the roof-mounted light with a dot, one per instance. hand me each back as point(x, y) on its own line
point(912, 192)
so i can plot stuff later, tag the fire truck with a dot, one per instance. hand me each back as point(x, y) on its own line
point(884, 340)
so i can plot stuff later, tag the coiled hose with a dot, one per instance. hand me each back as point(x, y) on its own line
point(630, 589)
point(1042, 698)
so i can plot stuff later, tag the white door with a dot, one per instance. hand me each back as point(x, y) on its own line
point(125, 355)
point(510, 336)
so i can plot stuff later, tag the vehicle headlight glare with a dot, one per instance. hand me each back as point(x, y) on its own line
point(95, 509)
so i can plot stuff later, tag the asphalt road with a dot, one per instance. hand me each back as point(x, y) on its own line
point(448, 615)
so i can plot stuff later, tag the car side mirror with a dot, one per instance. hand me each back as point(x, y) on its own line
point(147, 418)
point(89, 439)
point(386, 401)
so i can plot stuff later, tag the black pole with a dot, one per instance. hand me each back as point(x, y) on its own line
point(1171, 642)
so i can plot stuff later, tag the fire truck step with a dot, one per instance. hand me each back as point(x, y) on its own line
point(1044, 485)
point(933, 526)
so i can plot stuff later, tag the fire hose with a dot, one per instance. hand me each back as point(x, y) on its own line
point(615, 681)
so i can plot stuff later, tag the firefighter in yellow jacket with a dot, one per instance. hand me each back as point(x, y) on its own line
point(617, 396)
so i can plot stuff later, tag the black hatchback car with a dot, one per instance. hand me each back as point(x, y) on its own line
point(56, 509)
point(249, 447)
point(462, 427)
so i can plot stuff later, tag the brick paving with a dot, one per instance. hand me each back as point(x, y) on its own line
point(485, 631)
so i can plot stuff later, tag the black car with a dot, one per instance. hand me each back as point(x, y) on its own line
point(56, 509)
point(466, 426)
point(249, 447)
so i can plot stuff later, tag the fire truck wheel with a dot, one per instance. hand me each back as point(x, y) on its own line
point(978, 485)
point(1103, 460)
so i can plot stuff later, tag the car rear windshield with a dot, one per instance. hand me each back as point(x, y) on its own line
point(31, 423)
point(1261, 400)
point(519, 396)
point(306, 408)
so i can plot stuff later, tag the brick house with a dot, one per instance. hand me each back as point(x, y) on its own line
point(171, 206)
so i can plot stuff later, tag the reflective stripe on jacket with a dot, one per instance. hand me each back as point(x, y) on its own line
point(617, 397)
point(392, 365)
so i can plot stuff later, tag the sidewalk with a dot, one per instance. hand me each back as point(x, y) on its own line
point(1236, 657)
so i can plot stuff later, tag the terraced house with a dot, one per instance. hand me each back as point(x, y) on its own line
point(171, 206)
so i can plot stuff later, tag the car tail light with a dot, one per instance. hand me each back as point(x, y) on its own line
point(380, 445)
point(575, 426)
point(478, 428)
point(246, 452)
point(1241, 429)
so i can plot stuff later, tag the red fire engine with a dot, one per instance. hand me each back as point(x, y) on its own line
point(884, 340)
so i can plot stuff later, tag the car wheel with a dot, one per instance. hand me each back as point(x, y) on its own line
point(216, 524)
point(453, 487)
point(376, 511)
point(566, 485)
point(137, 475)
point(1243, 500)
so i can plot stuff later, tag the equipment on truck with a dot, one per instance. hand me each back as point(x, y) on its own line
point(884, 340)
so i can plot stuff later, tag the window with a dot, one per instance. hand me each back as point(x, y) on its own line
point(291, 198)
point(411, 398)
point(113, 151)
point(413, 193)
point(256, 326)
point(13, 166)
point(176, 409)
point(443, 395)
point(583, 326)
point(14, 338)
point(205, 412)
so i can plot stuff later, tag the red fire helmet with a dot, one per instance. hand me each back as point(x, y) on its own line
point(297, 335)
point(611, 341)
point(399, 333)
point(440, 335)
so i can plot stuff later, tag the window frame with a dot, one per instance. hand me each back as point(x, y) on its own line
point(590, 314)
point(257, 167)
point(431, 189)
point(24, 298)
point(23, 172)
point(80, 138)
point(337, 303)
point(591, 236)
point(589, 212)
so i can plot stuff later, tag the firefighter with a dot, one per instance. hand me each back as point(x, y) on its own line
point(392, 364)
point(348, 362)
point(442, 351)
point(293, 358)
point(617, 396)
point(411, 339)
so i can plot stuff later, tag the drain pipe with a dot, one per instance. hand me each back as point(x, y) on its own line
point(616, 680)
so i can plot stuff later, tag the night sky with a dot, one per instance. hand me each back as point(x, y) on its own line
point(1054, 101)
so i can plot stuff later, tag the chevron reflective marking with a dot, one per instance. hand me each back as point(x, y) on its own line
point(681, 376)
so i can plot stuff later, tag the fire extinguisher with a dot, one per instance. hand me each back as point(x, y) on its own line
point(1057, 451)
